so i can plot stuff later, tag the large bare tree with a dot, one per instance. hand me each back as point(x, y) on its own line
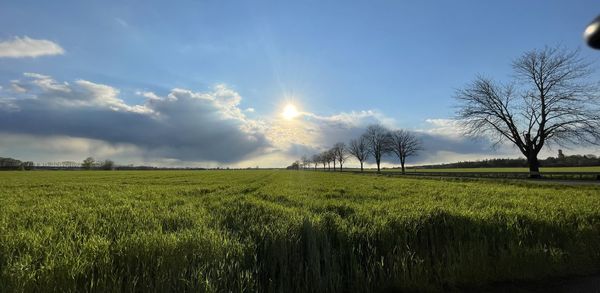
point(340, 153)
point(359, 148)
point(378, 139)
point(404, 144)
point(550, 101)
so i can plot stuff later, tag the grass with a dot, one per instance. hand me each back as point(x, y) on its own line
point(508, 169)
point(285, 231)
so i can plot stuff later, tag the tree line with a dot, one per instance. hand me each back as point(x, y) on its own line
point(14, 164)
point(87, 164)
point(90, 163)
point(559, 161)
point(376, 142)
point(550, 100)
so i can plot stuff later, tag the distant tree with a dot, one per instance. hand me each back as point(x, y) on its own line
point(88, 163)
point(551, 101)
point(359, 148)
point(316, 159)
point(340, 153)
point(378, 139)
point(28, 165)
point(10, 164)
point(404, 144)
point(332, 158)
point(108, 165)
point(305, 161)
point(323, 159)
point(294, 166)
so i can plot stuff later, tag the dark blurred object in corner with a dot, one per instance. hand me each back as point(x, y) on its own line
point(592, 33)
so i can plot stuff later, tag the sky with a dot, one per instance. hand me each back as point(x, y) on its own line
point(205, 83)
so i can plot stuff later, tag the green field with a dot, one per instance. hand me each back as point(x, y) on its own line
point(500, 170)
point(286, 231)
point(481, 170)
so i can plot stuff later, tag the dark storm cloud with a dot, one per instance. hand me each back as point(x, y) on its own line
point(185, 125)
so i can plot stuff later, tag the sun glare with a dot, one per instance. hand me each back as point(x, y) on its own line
point(290, 112)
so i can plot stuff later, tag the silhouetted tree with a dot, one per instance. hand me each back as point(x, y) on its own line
point(550, 102)
point(108, 165)
point(332, 157)
point(316, 159)
point(378, 139)
point(404, 144)
point(326, 157)
point(10, 164)
point(359, 148)
point(340, 153)
point(28, 165)
point(304, 161)
point(88, 163)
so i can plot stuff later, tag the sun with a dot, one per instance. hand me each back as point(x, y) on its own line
point(290, 112)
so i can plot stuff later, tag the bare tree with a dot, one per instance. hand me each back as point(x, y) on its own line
point(404, 144)
point(305, 161)
point(359, 148)
point(378, 139)
point(316, 159)
point(323, 157)
point(327, 158)
point(332, 158)
point(550, 101)
point(340, 153)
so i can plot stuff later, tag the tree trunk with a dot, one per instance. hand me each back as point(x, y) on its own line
point(341, 166)
point(534, 167)
point(402, 164)
point(378, 169)
point(361, 166)
point(334, 168)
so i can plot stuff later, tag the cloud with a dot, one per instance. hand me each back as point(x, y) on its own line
point(27, 47)
point(122, 22)
point(442, 138)
point(58, 148)
point(311, 133)
point(43, 119)
point(183, 125)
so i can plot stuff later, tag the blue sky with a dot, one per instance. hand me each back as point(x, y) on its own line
point(400, 61)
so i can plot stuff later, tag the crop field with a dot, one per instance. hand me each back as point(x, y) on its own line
point(286, 231)
point(524, 170)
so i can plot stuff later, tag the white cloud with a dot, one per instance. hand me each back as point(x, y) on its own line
point(444, 126)
point(122, 22)
point(27, 47)
point(43, 119)
point(148, 95)
point(183, 126)
point(16, 88)
point(81, 93)
point(65, 148)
